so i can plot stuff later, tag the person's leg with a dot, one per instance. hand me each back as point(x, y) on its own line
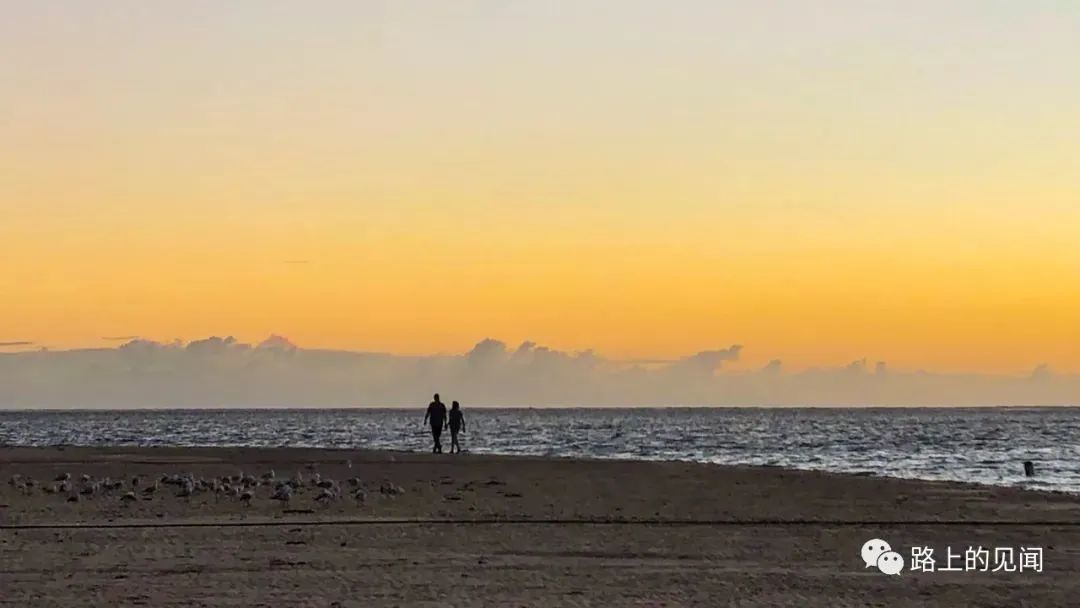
point(436, 432)
point(453, 441)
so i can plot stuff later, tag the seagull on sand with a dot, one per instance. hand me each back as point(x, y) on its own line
point(187, 490)
point(390, 489)
point(282, 493)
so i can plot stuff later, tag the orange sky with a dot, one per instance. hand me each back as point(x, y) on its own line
point(645, 182)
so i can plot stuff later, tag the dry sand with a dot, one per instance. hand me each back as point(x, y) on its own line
point(501, 531)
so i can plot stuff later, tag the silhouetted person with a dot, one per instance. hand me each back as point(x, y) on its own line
point(436, 414)
point(456, 424)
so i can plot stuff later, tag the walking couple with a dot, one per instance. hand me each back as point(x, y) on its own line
point(455, 421)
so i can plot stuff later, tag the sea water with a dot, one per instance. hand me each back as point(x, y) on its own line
point(984, 445)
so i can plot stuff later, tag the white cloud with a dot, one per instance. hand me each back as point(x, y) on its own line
point(223, 372)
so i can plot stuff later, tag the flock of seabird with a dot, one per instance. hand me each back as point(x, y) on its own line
point(242, 487)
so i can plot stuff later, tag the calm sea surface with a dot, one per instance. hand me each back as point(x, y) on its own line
point(985, 445)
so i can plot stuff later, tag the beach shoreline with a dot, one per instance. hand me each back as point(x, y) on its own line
point(952, 445)
point(514, 530)
point(406, 455)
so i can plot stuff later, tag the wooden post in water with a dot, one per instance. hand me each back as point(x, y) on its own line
point(1029, 468)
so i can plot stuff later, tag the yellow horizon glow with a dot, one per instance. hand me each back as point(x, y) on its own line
point(900, 191)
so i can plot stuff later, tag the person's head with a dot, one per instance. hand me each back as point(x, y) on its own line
point(436, 397)
point(454, 406)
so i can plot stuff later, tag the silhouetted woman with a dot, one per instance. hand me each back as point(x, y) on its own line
point(456, 424)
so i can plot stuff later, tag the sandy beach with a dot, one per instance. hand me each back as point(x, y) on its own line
point(398, 529)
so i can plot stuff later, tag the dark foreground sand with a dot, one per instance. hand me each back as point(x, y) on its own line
point(496, 531)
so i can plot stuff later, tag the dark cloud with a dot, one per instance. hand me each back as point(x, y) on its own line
point(707, 361)
point(773, 367)
point(119, 338)
point(16, 343)
point(857, 367)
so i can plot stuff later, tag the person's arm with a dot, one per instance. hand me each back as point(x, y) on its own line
point(463, 423)
point(426, 414)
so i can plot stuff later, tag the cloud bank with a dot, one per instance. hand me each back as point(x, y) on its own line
point(223, 372)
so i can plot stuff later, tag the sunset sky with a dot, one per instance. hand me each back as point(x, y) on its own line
point(817, 181)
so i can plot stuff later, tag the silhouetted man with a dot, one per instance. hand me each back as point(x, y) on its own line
point(436, 414)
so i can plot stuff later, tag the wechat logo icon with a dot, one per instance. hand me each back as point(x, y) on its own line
point(877, 553)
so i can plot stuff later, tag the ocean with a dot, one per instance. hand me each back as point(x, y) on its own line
point(983, 445)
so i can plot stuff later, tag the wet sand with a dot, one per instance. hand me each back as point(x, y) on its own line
point(500, 531)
